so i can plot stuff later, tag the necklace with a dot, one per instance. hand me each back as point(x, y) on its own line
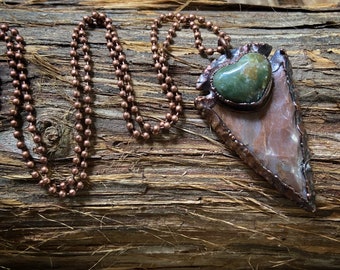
point(251, 104)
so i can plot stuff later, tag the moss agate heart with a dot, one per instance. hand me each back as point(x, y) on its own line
point(245, 81)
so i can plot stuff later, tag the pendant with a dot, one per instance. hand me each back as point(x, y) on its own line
point(252, 107)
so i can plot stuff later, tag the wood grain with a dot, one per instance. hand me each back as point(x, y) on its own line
point(180, 201)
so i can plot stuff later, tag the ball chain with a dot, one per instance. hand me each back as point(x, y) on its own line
point(23, 102)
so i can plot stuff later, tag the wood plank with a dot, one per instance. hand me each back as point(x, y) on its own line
point(182, 200)
point(308, 5)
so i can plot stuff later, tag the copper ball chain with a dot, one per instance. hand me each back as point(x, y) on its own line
point(22, 101)
point(22, 97)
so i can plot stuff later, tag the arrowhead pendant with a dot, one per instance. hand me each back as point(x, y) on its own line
point(252, 106)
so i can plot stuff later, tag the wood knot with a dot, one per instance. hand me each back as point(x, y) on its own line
point(56, 133)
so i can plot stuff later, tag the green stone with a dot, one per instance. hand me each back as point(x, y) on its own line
point(245, 81)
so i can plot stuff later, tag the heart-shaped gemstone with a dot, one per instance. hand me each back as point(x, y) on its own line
point(245, 81)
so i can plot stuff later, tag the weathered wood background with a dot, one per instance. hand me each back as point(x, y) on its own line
point(181, 201)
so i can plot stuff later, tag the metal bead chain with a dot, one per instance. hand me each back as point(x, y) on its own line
point(23, 102)
point(21, 98)
point(131, 112)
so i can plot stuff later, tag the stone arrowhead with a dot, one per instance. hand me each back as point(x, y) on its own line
point(270, 139)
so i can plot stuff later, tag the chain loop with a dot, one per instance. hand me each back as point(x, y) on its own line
point(22, 101)
point(131, 112)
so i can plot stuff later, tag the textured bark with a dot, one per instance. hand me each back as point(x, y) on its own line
point(181, 200)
